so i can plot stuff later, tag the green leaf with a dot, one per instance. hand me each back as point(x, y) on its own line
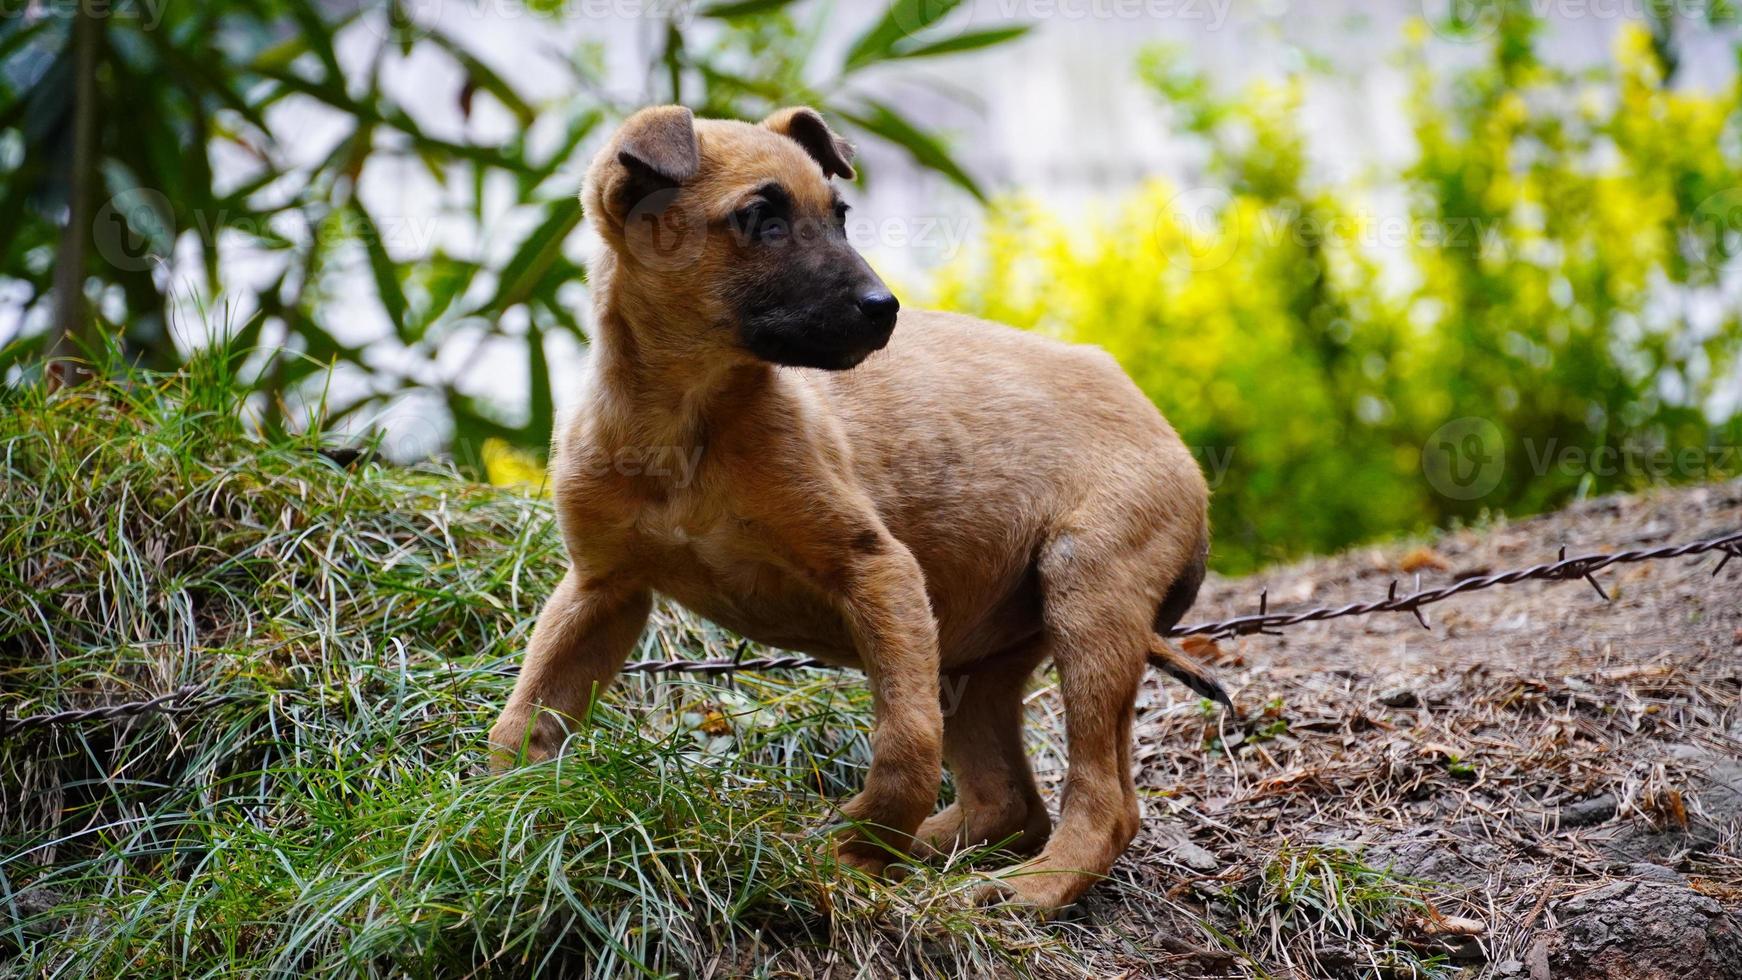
point(13, 37)
point(901, 21)
point(382, 266)
point(443, 278)
point(13, 194)
point(368, 113)
point(969, 41)
point(486, 78)
point(741, 8)
point(319, 35)
point(320, 349)
point(542, 415)
point(535, 257)
point(207, 78)
point(885, 122)
point(578, 130)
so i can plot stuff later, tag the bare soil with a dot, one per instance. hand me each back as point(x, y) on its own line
point(1552, 782)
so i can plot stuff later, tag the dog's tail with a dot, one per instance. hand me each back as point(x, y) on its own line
point(1182, 668)
point(1174, 605)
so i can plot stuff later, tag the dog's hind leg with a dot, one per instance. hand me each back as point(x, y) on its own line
point(1098, 604)
point(996, 799)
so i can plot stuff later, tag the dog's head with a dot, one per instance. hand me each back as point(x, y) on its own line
point(734, 231)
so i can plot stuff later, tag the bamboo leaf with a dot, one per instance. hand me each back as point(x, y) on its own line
point(885, 122)
point(381, 265)
point(902, 20)
point(535, 257)
point(969, 41)
point(742, 8)
point(486, 78)
point(542, 416)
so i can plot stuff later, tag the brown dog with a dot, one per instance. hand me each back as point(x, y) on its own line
point(968, 502)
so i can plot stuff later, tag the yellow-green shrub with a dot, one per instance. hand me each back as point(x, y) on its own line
point(1550, 287)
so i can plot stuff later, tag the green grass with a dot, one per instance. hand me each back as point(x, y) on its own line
point(336, 818)
point(1326, 912)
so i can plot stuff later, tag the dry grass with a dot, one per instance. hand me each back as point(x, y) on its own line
point(1538, 745)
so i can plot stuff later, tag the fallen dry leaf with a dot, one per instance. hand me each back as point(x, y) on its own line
point(1208, 651)
point(1422, 559)
point(1667, 806)
point(1723, 891)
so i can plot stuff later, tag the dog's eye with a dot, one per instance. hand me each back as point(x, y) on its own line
point(745, 219)
point(759, 222)
point(841, 209)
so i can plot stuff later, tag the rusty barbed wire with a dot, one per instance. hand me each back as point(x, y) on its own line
point(1563, 569)
point(183, 700)
point(722, 666)
point(191, 698)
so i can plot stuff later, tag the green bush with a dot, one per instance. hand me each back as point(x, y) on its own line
point(1544, 316)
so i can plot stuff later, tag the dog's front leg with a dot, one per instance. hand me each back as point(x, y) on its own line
point(890, 617)
point(583, 636)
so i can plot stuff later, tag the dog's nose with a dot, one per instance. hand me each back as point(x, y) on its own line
point(880, 305)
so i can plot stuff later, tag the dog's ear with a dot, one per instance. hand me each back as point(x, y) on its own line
point(806, 127)
point(657, 151)
point(659, 144)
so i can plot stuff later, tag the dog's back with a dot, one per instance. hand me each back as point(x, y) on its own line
point(979, 443)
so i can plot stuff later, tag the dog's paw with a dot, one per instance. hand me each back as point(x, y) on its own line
point(940, 835)
point(856, 858)
point(515, 739)
point(1016, 830)
point(990, 893)
point(1021, 887)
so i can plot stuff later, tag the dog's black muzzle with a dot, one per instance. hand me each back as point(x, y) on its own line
point(830, 318)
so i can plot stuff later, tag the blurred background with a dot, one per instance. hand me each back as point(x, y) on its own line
point(1387, 265)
